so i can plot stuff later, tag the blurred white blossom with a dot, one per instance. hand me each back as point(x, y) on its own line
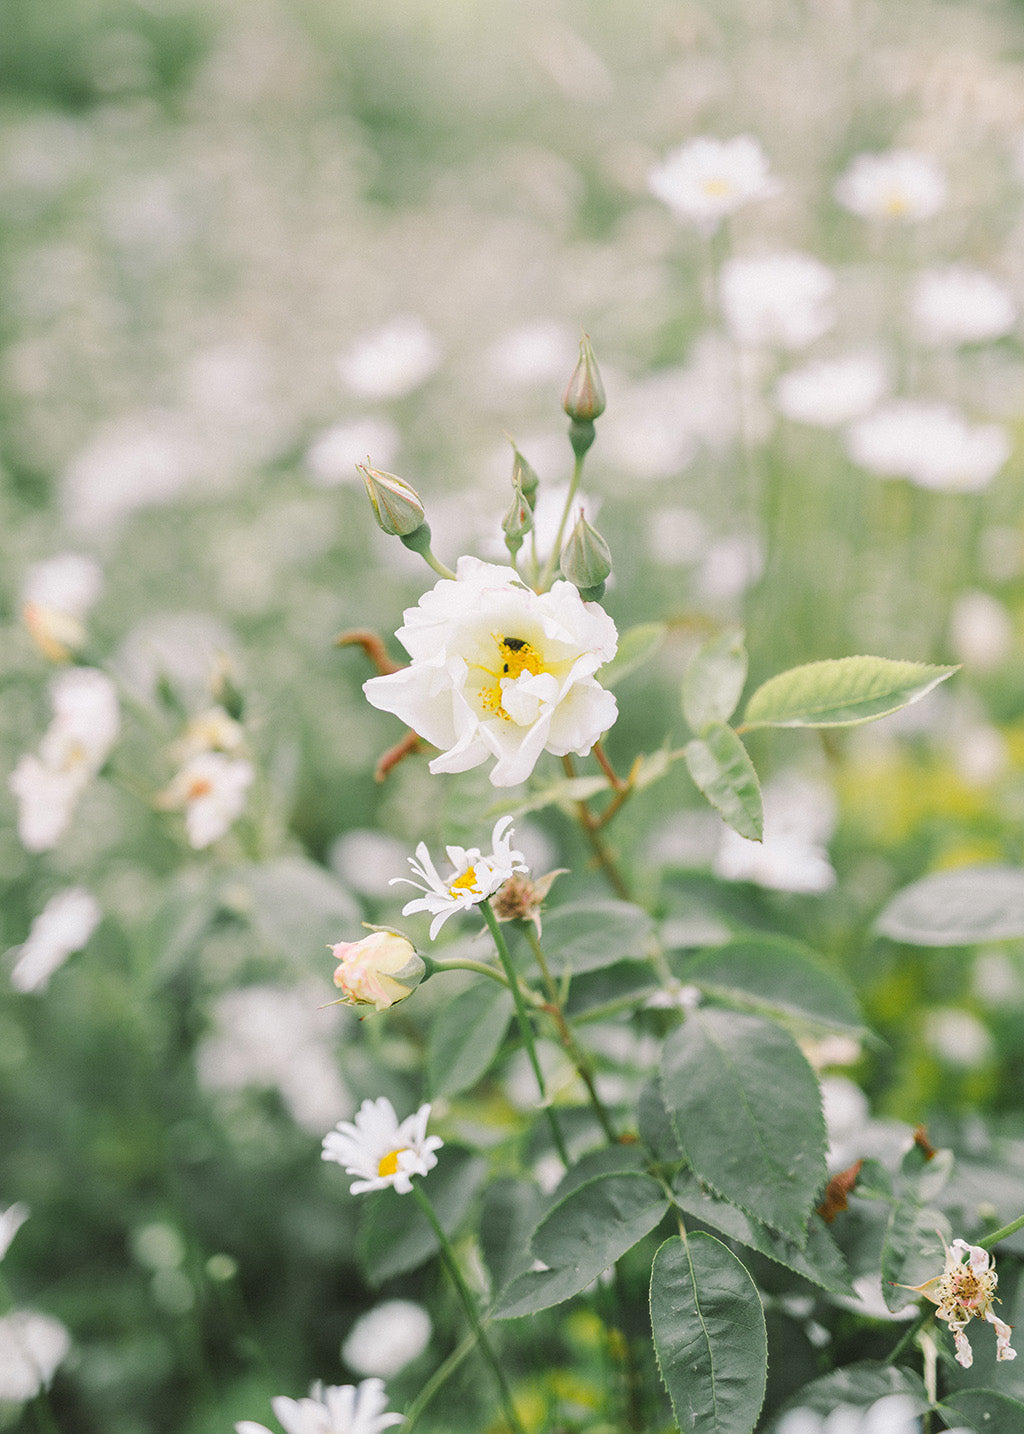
point(49, 784)
point(56, 595)
point(62, 927)
point(392, 361)
point(929, 443)
point(332, 456)
point(783, 300)
point(956, 304)
point(897, 184)
point(707, 179)
point(387, 1338)
point(32, 1346)
point(11, 1221)
point(830, 392)
point(799, 818)
point(980, 631)
point(277, 1037)
point(211, 789)
point(892, 1414)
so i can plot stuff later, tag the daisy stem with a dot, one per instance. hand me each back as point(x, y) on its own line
point(525, 1029)
point(469, 1304)
point(997, 1235)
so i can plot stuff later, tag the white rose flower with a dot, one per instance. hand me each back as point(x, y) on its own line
point(500, 671)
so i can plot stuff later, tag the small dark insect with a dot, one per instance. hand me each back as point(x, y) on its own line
point(514, 644)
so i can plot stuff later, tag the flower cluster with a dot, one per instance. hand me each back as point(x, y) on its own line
point(211, 783)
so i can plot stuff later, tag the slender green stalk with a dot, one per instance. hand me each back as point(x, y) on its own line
point(525, 1029)
point(480, 967)
point(1002, 1234)
point(437, 1381)
point(469, 1305)
point(436, 563)
point(556, 551)
point(590, 825)
point(575, 1052)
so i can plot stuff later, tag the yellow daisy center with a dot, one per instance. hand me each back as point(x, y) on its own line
point(895, 204)
point(715, 187)
point(465, 882)
point(515, 656)
point(389, 1164)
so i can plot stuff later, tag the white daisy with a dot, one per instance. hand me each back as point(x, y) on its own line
point(338, 1409)
point(707, 179)
point(957, 304)
point(781, 300)
point(898, 185)
point(379, 1149)
point(472, 879)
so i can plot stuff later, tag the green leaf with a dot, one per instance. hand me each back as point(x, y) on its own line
point(394, 1234)
point(775, 977)
point(582, 1236)
point(588, 935)
point(858, 1385)
point(958, 908)
point(636, 645)
point(747, 1109)
point(511, 1211)
point(466, 1036)
point(709, 1335)
point(840, 692)
point(911, 1250)
point(818, 1260)
point(714, 681)
point(720, 766)
point(987, 1411)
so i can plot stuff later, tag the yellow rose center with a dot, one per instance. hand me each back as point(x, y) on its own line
point(515, 656)
point(716, 187)
point(389, 1165)
point(895, 204)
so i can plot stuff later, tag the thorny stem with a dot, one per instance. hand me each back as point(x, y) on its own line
point(469, 1305)
point(525, 1029)
point(591, 825)
point(372, 645)
point(572, 1048)
point(614, 780)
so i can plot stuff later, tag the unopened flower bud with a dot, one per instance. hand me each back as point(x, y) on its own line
point(378, 971)
point(584, 398)
point(586, 560)
point(524, 475)
point(396, 505)
point(518, 521)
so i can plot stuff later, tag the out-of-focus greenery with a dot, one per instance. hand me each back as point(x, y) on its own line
point(203, 207)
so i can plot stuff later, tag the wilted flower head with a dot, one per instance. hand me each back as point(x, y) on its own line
point(777, 300)
point(707, 179)
point(74, 748)
point(472, 879)
point(899, 184)
point(964, 1291)
point(62, 927)
point(500, 671)
point(380, 1150)
point(520, 899)
point(338, 1409)
point(377, 971)
point(929, 443)
point(956, 304)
